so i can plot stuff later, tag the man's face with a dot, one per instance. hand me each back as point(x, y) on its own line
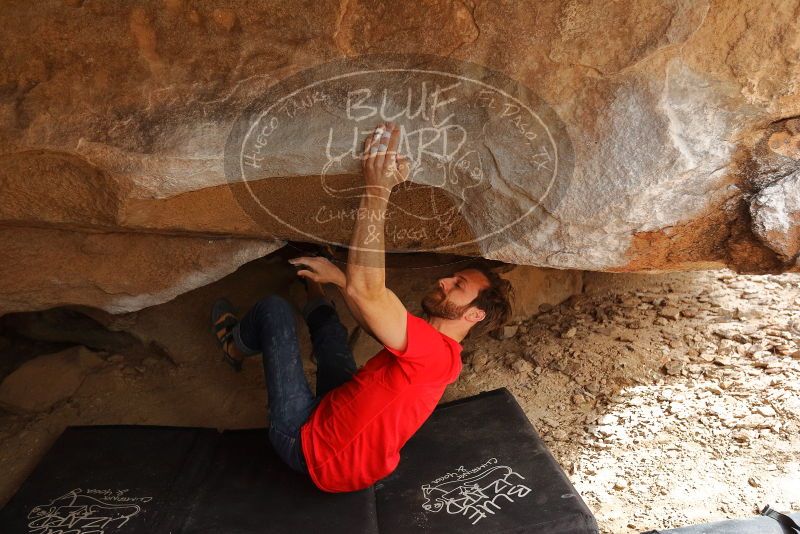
point(451, 297)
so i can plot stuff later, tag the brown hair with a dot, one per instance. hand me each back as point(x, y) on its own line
point(495, 300)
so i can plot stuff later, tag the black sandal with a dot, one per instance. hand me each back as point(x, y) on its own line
point(224, 307)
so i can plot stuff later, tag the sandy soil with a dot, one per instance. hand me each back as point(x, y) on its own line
point(669, 399)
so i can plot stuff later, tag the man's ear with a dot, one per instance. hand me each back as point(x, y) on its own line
point(475, 314)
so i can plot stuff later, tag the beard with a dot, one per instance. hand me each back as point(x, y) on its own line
point(435, 304)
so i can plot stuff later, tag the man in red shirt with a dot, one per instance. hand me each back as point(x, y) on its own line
point(349, 435)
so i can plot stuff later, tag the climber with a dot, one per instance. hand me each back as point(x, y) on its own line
point(349, 435)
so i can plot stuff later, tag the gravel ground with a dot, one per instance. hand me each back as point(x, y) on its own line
point(669, 400)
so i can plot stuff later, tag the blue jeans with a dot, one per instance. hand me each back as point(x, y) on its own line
point(269, 328)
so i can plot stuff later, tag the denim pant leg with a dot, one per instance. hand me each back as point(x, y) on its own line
point(335, 362)
point(269, 328)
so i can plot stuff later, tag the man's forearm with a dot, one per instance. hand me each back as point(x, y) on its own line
point(340, 281)
point(366, 272)
point(354, 311)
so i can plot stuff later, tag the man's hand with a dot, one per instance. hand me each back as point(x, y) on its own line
point(383, 167)
point(320, 270)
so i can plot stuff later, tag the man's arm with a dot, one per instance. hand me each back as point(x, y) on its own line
point(354, 311)
point(381, 310)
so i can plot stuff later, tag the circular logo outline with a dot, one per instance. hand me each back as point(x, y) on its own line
point(298, 79)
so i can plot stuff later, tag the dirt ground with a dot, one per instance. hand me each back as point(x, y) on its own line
point(668, 399)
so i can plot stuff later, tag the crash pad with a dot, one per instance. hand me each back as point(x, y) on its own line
point(476, 465)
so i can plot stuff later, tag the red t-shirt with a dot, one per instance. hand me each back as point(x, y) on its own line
point(354, 435)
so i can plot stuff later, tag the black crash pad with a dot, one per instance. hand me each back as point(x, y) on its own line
point(477, 465)
point(109, 479)
point(249, 489)
point(149, 480)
